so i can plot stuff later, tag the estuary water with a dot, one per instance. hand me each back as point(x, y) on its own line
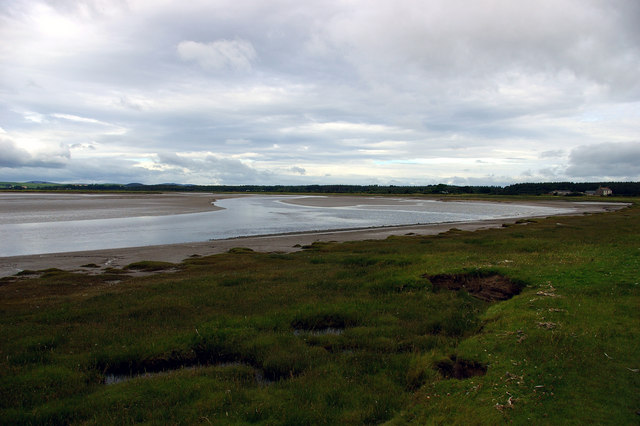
point(245, 216)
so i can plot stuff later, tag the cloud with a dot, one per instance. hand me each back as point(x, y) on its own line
point(298, 170)
point(79, 119)
point(15, 157)
point(555, 153)
point(234, 54)
point(611, 160)
point(196, 166)
point(82, 146)
point(356, 91)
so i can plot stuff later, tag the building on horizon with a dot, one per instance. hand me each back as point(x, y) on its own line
point(604, 191)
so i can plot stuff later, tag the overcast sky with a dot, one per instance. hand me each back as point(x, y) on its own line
point(319, 92)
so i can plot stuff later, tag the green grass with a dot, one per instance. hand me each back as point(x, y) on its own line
point(347, 333)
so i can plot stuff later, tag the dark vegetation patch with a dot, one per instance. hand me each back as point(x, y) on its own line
point(281, 256)
point(456, 368)
point(273, 357)
point(359, 261)
point(150, 266)
point(115, 271)
point(526, 221)
point(317, 245)
point(487, 286)
point(240, 250)
point(7, 280)
point(27, 273)
point(234, 281)
point(397, 285)
point(323, 321)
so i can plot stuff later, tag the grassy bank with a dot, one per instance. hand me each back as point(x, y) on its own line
point(352, 333)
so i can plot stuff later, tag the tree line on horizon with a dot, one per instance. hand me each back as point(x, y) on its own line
point(569, 188)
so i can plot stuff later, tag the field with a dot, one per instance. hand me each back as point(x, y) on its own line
point(534, 323)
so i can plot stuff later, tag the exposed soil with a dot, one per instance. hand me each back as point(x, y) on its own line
point(493, 287)
point(454, 368)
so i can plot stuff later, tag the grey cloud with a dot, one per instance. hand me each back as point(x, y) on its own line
point(212, 169)
point(298, 170)
point(236, 54)
point(462, 40)
point(13, 156)
point(613, 160)
point(556, 153)
point(83, 146)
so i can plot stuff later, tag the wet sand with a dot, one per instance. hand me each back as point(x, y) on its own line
point(50, 207)
point(184, 203)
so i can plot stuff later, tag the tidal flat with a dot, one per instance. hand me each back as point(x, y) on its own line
point(534, 322)
point(69, 230)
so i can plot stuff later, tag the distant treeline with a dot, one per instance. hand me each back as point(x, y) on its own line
point(569, 188)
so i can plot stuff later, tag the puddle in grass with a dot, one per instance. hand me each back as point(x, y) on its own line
point(319, 332)
point(112, 379)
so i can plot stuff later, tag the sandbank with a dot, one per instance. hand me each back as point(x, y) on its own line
point(54, 207)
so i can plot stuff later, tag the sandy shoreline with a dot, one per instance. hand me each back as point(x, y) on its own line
point(177, 203)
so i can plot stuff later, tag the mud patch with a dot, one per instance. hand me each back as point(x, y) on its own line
point(455, 368)
point(488, 287)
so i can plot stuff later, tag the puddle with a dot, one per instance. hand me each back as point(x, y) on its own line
point(319, 332)
point(112, 379)
point(490, 288)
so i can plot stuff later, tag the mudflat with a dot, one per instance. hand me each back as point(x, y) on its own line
point(51, 207)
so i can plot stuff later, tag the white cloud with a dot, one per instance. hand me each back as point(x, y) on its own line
point(342, 127)
point(79, 119)
point(14, 157)
point(235, 54)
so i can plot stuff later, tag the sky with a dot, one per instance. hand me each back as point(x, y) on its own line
point(397, 92)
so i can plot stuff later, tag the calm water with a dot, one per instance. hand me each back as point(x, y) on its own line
point(259, 215)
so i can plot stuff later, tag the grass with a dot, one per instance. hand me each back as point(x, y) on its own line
point(351, 333)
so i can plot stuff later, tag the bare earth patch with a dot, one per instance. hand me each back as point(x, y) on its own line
point(490, 288)
point(455, 368)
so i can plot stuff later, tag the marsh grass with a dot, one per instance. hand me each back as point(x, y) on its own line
point(252, 328)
